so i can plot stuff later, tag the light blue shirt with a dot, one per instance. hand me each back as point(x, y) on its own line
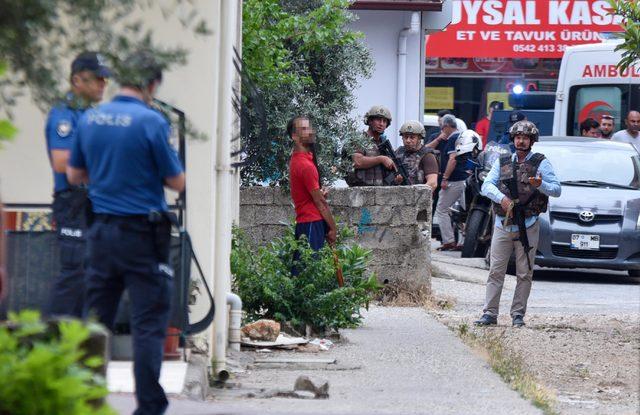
point(550, 186)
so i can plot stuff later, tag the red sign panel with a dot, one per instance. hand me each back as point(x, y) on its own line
point(521, 28)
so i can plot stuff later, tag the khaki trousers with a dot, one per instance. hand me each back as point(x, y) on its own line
point(502, 245)
point(446, 199)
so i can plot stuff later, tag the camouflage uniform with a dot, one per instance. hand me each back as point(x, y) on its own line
point(411, 161)
point(532, 199)
point(373, 176)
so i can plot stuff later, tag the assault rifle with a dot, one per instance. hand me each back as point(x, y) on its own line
point(518, 213)
point(385, 149)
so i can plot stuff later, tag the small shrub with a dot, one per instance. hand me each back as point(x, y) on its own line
point(44, 372)
point(263, 280)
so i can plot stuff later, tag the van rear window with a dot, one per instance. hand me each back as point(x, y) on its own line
point(593, 101)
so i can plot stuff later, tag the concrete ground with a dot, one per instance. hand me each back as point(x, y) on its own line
point(402, 361)
point(582, 336)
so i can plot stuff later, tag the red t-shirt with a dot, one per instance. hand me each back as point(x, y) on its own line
point(303, 176)
point(482, 128)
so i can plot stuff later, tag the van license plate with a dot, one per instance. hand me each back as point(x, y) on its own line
point(585, 242)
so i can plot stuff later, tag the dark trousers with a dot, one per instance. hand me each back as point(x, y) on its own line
point(315, 233)
point(125, 253)
point(67, 291)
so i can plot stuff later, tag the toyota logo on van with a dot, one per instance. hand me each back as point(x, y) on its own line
point(586, 216)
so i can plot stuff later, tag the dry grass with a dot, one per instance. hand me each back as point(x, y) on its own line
point(509, 366)
point(412, 294)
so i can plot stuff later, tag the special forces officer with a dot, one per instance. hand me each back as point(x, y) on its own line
point(122, 149)
point(419, 161)
point(369, 166)
point(519, 186)
point(88, 80)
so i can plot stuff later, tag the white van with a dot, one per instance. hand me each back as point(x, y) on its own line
point(591, 85)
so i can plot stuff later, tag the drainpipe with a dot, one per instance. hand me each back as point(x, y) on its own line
point(224, 181)
point(401, 92)
point(235, 320)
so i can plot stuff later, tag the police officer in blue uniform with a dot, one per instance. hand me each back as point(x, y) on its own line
point(122, 150)
point(88, 80)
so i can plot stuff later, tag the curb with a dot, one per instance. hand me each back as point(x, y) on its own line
point(478, 263)
point(196, 382)
point(448, 270)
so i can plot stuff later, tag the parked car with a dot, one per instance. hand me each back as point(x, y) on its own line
point(595, 223)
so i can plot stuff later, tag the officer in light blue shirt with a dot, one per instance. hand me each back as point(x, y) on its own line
point(122, 150)
point(88, 79)
point(519, 185)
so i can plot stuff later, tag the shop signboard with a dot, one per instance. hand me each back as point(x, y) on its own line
point(521, 29)
point(438, 98)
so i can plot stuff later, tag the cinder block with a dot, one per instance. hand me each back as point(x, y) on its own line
point(352, 196)
point(404, 215)
point(281, 196)
point(424, 196)
point(247, 216)
point(274, 215)
point(256, 195)
point(395, 196)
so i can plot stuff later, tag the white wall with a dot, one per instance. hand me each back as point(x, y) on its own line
point(381, 30)
point(25, 175)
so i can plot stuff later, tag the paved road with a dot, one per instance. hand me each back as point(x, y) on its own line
point(401, 362)
point(570, 291)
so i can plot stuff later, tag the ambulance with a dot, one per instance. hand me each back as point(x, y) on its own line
point(590, 85)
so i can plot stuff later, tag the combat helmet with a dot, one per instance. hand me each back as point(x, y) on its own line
point(413, 127)
point(526, 128)
point(378, 111)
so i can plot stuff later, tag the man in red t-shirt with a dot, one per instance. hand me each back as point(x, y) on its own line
point(313, 216)
point(482, 126)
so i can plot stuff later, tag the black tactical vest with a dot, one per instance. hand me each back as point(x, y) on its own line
point(411, 161)
point(532, 199)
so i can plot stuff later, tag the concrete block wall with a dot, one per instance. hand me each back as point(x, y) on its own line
point(393, 222)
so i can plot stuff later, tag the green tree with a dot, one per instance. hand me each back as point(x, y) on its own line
point(7, 130)
point(630, 46)
point(299, 57)
point(38, 37)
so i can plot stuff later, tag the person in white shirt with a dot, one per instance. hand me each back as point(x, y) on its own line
point(632, 134)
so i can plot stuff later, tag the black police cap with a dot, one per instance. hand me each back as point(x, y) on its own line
point(516, 116)
point(91, 61)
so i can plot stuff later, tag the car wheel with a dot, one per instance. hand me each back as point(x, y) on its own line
point(634, 272)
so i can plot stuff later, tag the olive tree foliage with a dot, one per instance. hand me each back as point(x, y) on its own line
point(299, 57)
point(7, 129)
point(630, 46)
point(38, 39)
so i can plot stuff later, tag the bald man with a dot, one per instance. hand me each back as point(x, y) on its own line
point(631, 135)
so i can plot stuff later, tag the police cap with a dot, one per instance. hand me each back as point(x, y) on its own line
point(91, 61)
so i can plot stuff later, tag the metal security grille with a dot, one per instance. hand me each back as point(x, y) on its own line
point(574, 217)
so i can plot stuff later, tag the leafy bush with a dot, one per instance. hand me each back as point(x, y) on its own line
point(48, 373)
point(299, 57)
point(268, 290)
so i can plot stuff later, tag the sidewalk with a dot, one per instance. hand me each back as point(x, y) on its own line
point(402, 361)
